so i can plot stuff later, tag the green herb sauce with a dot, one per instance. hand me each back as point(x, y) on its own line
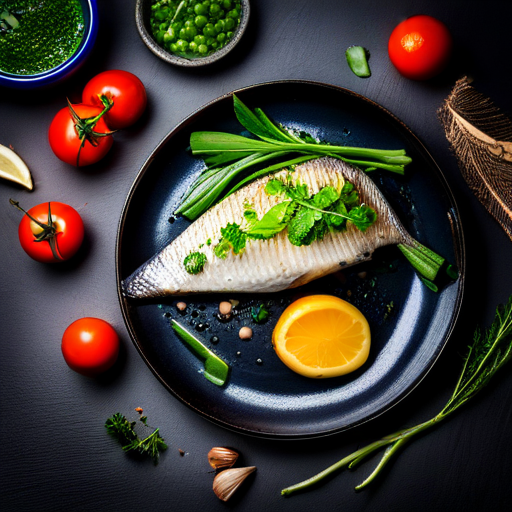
point(38, 35)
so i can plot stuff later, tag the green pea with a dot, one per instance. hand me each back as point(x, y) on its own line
point(192, 46)
point(233, 14)
point(214, 9)
point(226, 4)
point(160, 37)
point(183, 33)
point(167, 37)
point(229, 35)
point(173, 47)
point(163, 26)
point(191, 32)
point(202, 49)
point(219, 26)
point(206, 3)
point(229, 24)
point(201, 21)
point(209, 41)
point(221, 37)
point(215, 45)
point(176, 25)
point(200, 9)
point(182, 45)
point(200, 39)
point(209, 30)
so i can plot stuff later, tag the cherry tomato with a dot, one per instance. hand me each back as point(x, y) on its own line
point(67, 134)
point(90, 346)
point(420, 47)
point(50, 232)
point(124, 89)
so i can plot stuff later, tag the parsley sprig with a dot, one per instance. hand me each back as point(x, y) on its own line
point(123, 430)
point(306, 217)
point(488, 353)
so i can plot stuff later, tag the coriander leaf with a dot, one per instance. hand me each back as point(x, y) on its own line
point(335, 221)
point(362, 217)
point(299, 192)
point(250, 215)
point(349, 194)
point(233, 238)
point(273, 222)
point(301, 224)
point(275, 187)
point(325, 197)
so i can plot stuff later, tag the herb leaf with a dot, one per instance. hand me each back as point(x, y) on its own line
point(123, 430)
point(274, 221)
point(194, 262)
point(233, 239)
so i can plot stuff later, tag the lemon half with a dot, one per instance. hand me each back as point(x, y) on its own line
point(322, 336)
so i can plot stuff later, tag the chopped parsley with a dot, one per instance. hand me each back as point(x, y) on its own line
point(194, 262)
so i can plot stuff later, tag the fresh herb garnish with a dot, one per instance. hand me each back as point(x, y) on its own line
point(488, 353)
point(228, 155)
point(194, 262)
point(123, 430)
point(306, 217)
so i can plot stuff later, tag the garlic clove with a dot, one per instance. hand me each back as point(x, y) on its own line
point(229, 480)
point(219, 457)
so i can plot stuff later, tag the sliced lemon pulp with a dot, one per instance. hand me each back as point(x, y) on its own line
point(13, 168)
point(322, 336)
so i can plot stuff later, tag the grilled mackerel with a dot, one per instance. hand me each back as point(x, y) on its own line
point(274, 264)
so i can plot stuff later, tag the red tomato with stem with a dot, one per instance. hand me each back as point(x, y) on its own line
point(420, 47)
point(50, 232)
point(79, 135)
point(90, 346)
point(124, 89)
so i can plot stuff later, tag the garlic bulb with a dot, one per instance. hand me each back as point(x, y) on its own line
point(229, 480)
point(219, 457)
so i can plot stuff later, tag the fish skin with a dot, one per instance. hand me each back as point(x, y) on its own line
point(274, 264)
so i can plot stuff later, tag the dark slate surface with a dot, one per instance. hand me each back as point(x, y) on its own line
point(56, 455)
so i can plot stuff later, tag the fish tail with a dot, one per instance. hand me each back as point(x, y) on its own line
point(144, 283)
point(433, 269)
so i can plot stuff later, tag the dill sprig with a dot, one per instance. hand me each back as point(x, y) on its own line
point(123, 430)
point(488, 353)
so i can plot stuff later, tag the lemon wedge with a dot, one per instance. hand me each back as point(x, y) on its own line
point(13, 168)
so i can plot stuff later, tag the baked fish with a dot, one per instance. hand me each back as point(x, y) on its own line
point(276, 264)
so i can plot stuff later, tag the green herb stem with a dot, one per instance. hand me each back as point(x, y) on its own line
point(237, 153)
point(488, 353)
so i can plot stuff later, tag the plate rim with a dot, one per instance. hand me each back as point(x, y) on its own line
point(455, 227)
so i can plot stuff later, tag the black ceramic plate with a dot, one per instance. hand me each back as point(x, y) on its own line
point(410, 323)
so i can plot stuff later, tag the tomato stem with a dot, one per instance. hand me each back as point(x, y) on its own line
point(85, 126)
point(48, 233)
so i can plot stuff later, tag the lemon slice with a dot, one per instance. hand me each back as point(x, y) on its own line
point(13, 168)
point(322, 336)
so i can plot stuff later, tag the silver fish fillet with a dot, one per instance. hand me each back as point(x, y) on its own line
point(275, 264)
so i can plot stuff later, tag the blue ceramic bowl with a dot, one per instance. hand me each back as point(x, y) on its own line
point(50, 77)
